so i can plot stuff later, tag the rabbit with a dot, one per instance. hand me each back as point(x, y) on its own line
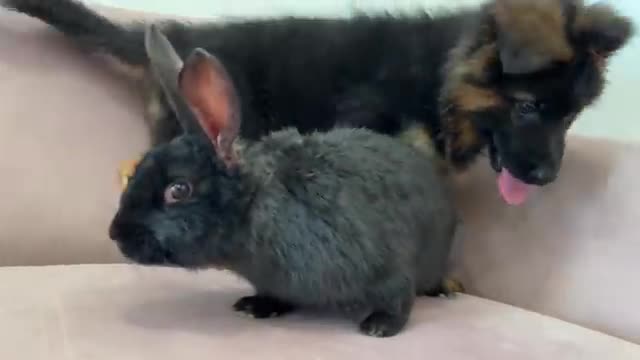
point(346, 220)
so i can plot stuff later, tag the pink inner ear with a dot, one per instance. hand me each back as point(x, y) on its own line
point(207, 90)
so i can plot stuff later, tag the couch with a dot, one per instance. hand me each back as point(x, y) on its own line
point(554, 279)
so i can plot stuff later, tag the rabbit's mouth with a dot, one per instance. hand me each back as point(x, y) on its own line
point(140, 252)
point(139, 245)
point(143, 249)
point(148, 251)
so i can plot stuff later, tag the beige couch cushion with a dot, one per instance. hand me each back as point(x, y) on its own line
point(121, 312)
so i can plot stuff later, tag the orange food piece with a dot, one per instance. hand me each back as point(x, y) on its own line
point(125, 172)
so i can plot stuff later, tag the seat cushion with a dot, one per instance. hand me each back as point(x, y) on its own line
point(129, 312)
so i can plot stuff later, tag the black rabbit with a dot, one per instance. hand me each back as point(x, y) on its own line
point(346, 220)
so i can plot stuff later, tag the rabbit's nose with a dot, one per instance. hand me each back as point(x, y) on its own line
point(117, 228)
point(114, 231)
point(122, 228)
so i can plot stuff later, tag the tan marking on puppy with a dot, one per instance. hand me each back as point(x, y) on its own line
point(462, 66)
point(463, 134)
point(538, 25)
point(462, 97)
point(459, 96)
point(457, 91)
point(420, 138)
point(468, 97)
point(476, 65)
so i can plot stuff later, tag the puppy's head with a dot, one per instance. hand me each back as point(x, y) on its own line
point(519, 79)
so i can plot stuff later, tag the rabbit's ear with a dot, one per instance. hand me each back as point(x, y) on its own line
point(208, 89)
point(165, 65)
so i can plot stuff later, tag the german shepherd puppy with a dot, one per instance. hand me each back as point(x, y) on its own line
point(509, 77)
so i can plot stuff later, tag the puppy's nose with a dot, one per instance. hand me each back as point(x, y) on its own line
point(542, 174)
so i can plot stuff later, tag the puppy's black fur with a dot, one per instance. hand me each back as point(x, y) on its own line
point(510, 76)
point(346, 219)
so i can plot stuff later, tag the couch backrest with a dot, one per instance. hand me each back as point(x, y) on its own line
point(65, 123)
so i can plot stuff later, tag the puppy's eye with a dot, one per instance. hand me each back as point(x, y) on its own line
point(177, 191)
point(529, 112)
point(527, 108)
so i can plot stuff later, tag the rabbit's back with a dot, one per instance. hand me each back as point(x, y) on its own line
point(338, 210)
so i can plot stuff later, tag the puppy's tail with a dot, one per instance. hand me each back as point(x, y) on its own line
point(91, 30)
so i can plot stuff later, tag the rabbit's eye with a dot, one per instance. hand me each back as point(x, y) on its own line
point(178, 191)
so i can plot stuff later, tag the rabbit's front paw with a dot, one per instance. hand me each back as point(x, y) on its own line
point(382, 324)
point(261, 306)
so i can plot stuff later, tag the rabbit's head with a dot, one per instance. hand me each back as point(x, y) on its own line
point(186, 197)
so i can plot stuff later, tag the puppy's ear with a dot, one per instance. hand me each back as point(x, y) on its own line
point(602, 29)
point(530, 35)
point(165, 65)
point(208, 89)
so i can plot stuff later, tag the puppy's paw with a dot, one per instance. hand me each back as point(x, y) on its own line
point(381, 324)
point(262, 307)
point(448, 288)
point(451, 287)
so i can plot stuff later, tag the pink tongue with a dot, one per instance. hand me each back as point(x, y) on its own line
point(513, 191)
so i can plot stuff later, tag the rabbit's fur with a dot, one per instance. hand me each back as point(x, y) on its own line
point(347, 220)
